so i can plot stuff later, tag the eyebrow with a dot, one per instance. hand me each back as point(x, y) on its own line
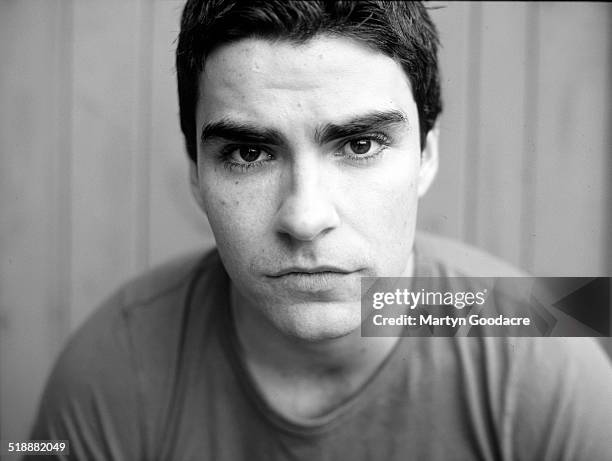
point(246, 132)
point(241, 132)
point(373, 121)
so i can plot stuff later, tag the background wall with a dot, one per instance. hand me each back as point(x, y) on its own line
point(93, 175)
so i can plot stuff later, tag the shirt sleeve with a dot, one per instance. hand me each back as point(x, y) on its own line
point(91, 398)
point(563, 407)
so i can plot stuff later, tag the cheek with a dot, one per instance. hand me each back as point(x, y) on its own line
point(395, 215)
point(388, 204)
point(236, 214)
point(384, 216)
point(222, 199)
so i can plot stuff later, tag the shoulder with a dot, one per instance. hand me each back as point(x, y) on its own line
point(550, 398)
point(94, 396)
point(534, 398)
point(165, 280)
point(151, 301)
point(441, 256)
point(561, 387)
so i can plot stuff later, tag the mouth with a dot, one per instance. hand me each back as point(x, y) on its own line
point(310, 271)
point(312, 279)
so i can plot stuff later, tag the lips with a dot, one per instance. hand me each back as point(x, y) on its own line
point(313, 279)
point(311, 270)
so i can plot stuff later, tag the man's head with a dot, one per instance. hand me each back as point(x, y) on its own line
point(308, 153)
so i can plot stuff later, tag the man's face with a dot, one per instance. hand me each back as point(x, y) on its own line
point(309, 170)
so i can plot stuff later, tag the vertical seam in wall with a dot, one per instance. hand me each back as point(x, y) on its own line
point(530, 137)
point(63, 239)
point(473, 125)
point(141, 165)
point(608, 146)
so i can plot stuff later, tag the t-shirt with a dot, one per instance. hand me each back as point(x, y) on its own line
point(156, 374)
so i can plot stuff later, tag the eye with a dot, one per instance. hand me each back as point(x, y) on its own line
point(365, 147)
point(248, 154)
point(243, 157)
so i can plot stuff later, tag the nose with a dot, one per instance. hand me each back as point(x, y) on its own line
point(307, 209)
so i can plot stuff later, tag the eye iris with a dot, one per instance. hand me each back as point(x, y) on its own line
point(249, 154)
point(361, 146)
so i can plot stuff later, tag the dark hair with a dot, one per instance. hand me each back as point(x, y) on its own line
point(401, 30)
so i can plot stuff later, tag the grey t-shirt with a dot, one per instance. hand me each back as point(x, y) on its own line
point(156, 374)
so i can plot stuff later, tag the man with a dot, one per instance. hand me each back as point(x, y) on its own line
point(310, 128)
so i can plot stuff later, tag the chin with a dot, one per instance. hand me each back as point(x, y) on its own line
point(318, 322)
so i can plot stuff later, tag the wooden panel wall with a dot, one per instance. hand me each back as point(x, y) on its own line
point(573, 168)
point(93, 175)
point(34, 201)
point(526, 152)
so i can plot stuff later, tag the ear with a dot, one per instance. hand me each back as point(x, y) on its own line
point(429, 160)
point(195, 184)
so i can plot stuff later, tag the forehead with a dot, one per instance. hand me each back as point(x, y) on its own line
point(323, 79)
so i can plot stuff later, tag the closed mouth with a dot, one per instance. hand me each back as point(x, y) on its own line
point(319, 281)
point(314, 271)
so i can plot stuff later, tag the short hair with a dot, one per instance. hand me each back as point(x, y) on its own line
point(399, 29)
